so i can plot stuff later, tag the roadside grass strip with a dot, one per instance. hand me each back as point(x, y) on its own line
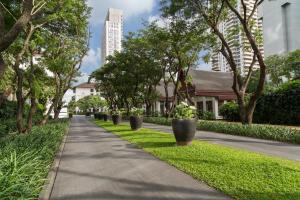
point(238, 173)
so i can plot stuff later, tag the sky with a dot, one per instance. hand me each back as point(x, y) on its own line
point(135, 13)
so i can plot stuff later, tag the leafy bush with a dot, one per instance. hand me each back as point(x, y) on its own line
point(136, 111)
point(25, 160)
point(230, 111)
point(281, 106)
point(7, 126)
point(206, 115)
point(277, 133)
point(184, 111)
point(158, 120)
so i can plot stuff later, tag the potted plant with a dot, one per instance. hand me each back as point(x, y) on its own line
point(184, 124)
point(136, 118)
point(116, 116)
point(105, 116)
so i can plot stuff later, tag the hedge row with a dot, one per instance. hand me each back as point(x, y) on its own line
point(276, 133)
point(25, 160)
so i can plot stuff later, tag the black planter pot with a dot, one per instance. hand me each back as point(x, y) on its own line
point(184, 131)
point(100, 116)
point(105, 117)
point(135, 122)
point(116, 119)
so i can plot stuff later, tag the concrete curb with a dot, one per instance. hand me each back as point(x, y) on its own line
point(49, 183)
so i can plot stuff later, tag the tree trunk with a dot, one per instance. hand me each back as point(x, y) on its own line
point(167, 103)
point(31, 112)
point(2, 66)
point(148, 108)
point(20, 102)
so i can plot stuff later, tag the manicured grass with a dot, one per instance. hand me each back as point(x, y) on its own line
point(25, 160)
point(238, 173)
point(262, 131)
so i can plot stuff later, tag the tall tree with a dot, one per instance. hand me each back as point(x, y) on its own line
point(211, 14)
point(14, 16)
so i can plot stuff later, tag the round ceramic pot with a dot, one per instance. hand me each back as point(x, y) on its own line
point(135, 122)
point(184, 131)
point(116, 119)
point(105, 117)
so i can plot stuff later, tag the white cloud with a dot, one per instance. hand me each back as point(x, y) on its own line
point(161, 22)
point(82, 79)
point(92, 60)
point(130, 8)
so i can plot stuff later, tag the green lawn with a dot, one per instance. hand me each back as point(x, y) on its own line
point(238, 173)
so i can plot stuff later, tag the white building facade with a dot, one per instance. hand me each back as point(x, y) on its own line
point(281, 25)
point(238, 42)
point(112, 33)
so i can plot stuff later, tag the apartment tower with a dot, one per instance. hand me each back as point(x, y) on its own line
point(112, 33)
point(239, 44)
point(281, 25)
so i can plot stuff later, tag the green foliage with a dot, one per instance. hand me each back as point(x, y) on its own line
point(230, 111)
point(238, 173)
point(25, 160)
point(136, 111)
point(90, 102)
point(158, 120)
point(277, 133)
point(281, 106)
point(206, 115)
point(184, 111)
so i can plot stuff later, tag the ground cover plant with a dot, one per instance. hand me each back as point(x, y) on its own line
point(25, 160)
point(277, 133)
point(238, 173)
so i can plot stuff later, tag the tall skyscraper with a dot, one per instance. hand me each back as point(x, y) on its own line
point(112, 33)
point(239, 44)
point(281, 25)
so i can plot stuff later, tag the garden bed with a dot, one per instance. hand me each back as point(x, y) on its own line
point(25, 160)
point(271, 132)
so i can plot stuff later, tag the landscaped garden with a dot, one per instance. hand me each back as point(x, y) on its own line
point(25, 160)
point(238, 173)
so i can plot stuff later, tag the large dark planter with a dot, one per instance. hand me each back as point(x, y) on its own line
point(100, 116)
point(70, 115)
point(105, 117)
point(135, 122)
point(184, 131)
point(116, 119)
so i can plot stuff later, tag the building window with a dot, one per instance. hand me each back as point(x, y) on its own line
point(162, 107)
point(209, 106)
point(92, 90)
point(74, 90)
point(200, 106)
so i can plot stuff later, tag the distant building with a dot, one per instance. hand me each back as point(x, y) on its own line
point(281, 25)
point(210, 91)
point(243, 56)
point(80, 91)
point(112, 33)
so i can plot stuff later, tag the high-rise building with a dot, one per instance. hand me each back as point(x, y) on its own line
point(242, 52)
point(112, 33)
point(281, 25)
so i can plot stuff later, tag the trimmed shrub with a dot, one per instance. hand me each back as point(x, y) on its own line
point(25, 160)
point(158, 120)
point(206, 115)
point(278, 133)
point(281, 106)
point(230, 111)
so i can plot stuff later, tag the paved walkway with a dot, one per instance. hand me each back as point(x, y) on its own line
point(98, 165)
point(273, 148)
